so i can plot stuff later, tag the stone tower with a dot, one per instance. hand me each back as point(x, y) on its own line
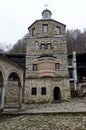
point(46, 78)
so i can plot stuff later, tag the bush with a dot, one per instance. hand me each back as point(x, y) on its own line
point(74, 93)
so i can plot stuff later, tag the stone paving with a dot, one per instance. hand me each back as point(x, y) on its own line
point(74, 105)
point(44, 122)
point(46, 116)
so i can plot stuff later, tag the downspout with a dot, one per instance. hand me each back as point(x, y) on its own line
point(74, 69)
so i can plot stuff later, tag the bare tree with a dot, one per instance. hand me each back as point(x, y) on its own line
point(76, 41)
point(20, 46)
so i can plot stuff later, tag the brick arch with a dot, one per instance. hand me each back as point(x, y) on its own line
point(57, 61)
point(14, 76)
point(3, 73)
point(15, 87)
point(8, 67)
point(17, 72)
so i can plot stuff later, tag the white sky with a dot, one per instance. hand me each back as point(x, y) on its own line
point(17, 15)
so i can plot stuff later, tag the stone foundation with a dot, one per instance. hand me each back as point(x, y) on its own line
point(49, 84)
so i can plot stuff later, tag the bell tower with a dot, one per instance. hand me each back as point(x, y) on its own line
point(47, 77)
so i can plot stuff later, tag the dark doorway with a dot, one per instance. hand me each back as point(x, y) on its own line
point(57, 94)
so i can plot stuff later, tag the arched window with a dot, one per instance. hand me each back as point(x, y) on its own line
point(42, 46)
point(57, 66)
point(36, 45)
point(46, 46)
point(49, 46)
point(55, 44)
point(13, 77)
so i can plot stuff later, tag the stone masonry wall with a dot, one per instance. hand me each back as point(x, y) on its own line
point(62, 72)
point(12, 92)
point(58, 45)
point(51, 28)
point(50, 84)
point(44, 76)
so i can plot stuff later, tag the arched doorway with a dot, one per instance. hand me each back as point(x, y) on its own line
point(57, 94)
point(13, 91)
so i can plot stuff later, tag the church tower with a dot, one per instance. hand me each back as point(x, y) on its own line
point(47, 77)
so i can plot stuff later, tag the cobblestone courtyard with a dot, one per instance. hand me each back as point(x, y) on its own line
point(46, 116)
point(73, 105)
point(44, 122)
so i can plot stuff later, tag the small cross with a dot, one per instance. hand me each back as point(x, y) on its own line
point(46, 5)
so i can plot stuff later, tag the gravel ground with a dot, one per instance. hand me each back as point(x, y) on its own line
point(44, 122)
point(40, 121)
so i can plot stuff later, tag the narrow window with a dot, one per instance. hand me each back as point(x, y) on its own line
point(45, 28)
point(46, 46)
point(34, 67)
point(42, 46)
point(33, 32)
point(58, 30)
point(57, 66)
point(34, 91)
point(49, 46)
point(36, 44)
point(71, 74)
point(43, 90)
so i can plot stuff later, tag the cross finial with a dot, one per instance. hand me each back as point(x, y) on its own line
point(46, 5)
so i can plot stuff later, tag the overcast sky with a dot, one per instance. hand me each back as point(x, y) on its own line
point(17, 15)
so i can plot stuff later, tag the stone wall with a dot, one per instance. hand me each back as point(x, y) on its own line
point(12, 92)
point(50, 84)
point(46, 74)
point(58, 45)
point(52, 24)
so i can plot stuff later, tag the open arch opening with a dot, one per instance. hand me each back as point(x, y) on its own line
point(13, 89)
point(57, 94)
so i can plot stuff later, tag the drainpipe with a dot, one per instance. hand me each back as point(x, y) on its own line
point(74, 69)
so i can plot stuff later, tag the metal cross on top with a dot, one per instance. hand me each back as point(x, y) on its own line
point(46, 5)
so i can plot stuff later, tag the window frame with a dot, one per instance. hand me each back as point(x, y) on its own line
point(43, 90)
point(36, 45)
point(33, 31)
point(58, 32)
point(42, 46)
point(45, 28)
point(35, 67)
point(57, 66)
point(34, 91)
point(49, 46)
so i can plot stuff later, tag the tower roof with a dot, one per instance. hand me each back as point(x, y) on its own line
point(46, 14)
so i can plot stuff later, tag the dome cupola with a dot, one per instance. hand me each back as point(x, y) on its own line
point(46, 14)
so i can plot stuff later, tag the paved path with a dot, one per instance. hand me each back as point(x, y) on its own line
point(74, 105)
